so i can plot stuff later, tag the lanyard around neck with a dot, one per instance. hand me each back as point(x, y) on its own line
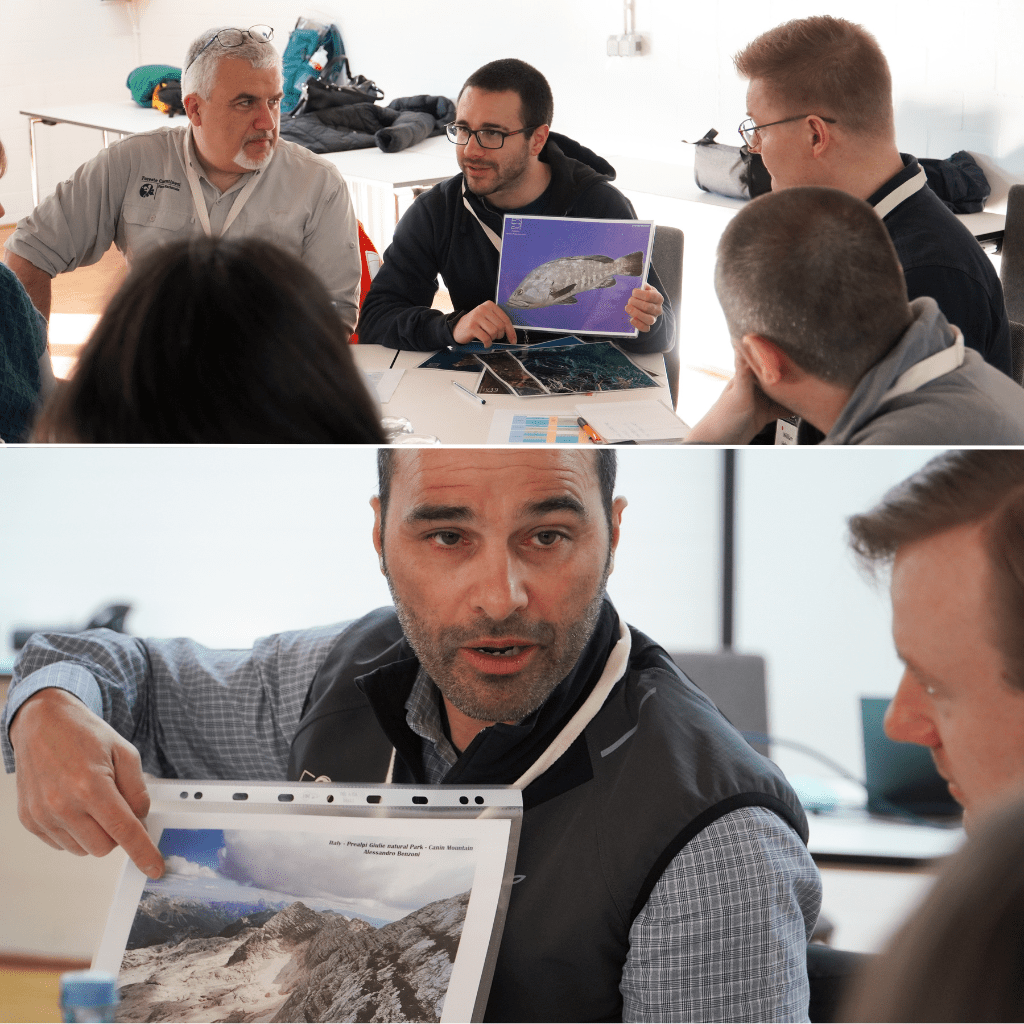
point(614, 670)
point(199, 200)
point(489, 232)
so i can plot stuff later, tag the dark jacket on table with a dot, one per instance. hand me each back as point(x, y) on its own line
point(438, 235)
point(402, 123)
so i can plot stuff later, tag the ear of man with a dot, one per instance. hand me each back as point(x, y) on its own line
point(538, 139)
point(820, 135)
point(769, 363)
point(191, 105)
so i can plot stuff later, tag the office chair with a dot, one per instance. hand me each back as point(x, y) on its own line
point(667, 258)
point(735, 683)
point(1011, 273)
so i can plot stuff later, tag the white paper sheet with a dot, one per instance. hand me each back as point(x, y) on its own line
point(383, 382)
point(254, 893)
point(643, 422)
point(509, 426)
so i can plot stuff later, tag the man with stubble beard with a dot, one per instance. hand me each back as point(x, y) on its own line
point(225, 173)
point(661, 871)
point(512, 164)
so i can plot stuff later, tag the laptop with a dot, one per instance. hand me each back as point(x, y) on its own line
point(900, 774)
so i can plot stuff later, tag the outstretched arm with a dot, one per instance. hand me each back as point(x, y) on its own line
point(80, 784)
point(88, 712)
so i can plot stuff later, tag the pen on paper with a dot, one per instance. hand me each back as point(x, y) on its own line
point(466, 391)
point(594, 436)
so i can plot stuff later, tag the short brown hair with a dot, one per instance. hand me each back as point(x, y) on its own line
point(825, 65)
point(960, 488)
point(510, 74)
point(813, 270)
point(606, 464)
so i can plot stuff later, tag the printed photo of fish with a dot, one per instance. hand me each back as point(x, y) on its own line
point(571, 275)
point(558, 282)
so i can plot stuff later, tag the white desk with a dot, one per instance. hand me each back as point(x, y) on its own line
point(856, 837)
point(427, 399)
point(375, 177)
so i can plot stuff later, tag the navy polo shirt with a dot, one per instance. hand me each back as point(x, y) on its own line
point(941, 258)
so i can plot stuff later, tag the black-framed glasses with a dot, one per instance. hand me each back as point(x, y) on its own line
point(749, 131)
point(229, 37)
point(487, 138)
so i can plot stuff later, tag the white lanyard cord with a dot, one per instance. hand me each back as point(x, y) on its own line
point(489, 232)
point(199, 201)
point(614, 670)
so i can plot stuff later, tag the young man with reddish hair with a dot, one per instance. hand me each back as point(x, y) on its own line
point(819, 108)
point(953, 537)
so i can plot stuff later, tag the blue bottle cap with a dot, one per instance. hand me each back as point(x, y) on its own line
point(88, 988)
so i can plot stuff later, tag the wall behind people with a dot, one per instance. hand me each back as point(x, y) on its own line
point(801, 600)
point(957, 82)
point(226, 545)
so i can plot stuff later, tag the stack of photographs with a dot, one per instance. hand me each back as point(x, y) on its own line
point(563, 370)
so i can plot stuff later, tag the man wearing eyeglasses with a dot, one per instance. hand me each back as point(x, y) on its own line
point(225, 171)
point(510, 163)
point(820, 106)
point(817, 309)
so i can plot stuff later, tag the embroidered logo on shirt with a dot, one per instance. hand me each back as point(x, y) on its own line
point(151, 185)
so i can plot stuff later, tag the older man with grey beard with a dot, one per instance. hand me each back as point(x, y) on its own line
point(225, 172)
point(661, 871)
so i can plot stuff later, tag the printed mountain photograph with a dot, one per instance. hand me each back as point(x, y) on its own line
point(275, 926)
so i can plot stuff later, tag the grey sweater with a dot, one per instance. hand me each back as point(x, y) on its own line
point(973, 404)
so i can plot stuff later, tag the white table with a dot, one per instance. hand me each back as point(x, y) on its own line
point(375, 177)
point(427, 399)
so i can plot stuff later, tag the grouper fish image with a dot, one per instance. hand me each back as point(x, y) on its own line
point(558, 282)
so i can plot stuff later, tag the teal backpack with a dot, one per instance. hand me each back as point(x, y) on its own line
point(314, 51)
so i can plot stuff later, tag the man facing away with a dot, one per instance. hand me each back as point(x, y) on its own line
point(227, 171)
point(817, 309)
point(662, 866)
point(953, 536)
point(511, 164)
point(819, 108)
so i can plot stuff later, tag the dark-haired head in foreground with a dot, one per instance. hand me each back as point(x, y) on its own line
point(213, 341)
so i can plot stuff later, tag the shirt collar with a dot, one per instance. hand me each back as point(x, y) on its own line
point(503, 752)
point(424, 716)
point(899, 187)
point(197, 164)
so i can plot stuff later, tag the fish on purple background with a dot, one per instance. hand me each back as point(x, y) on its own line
point(558, 282)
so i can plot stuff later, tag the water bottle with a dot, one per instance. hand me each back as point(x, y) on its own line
point(319, 59)
point(88, 996)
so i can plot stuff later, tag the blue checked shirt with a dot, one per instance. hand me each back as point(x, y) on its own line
point(722, 937)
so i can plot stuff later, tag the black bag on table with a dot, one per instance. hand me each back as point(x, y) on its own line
point(318, 94)
point(731, 171)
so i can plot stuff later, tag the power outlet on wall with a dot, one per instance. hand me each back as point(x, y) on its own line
point(630, 44)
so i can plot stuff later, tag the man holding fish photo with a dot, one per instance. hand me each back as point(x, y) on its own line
point(511, 163)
